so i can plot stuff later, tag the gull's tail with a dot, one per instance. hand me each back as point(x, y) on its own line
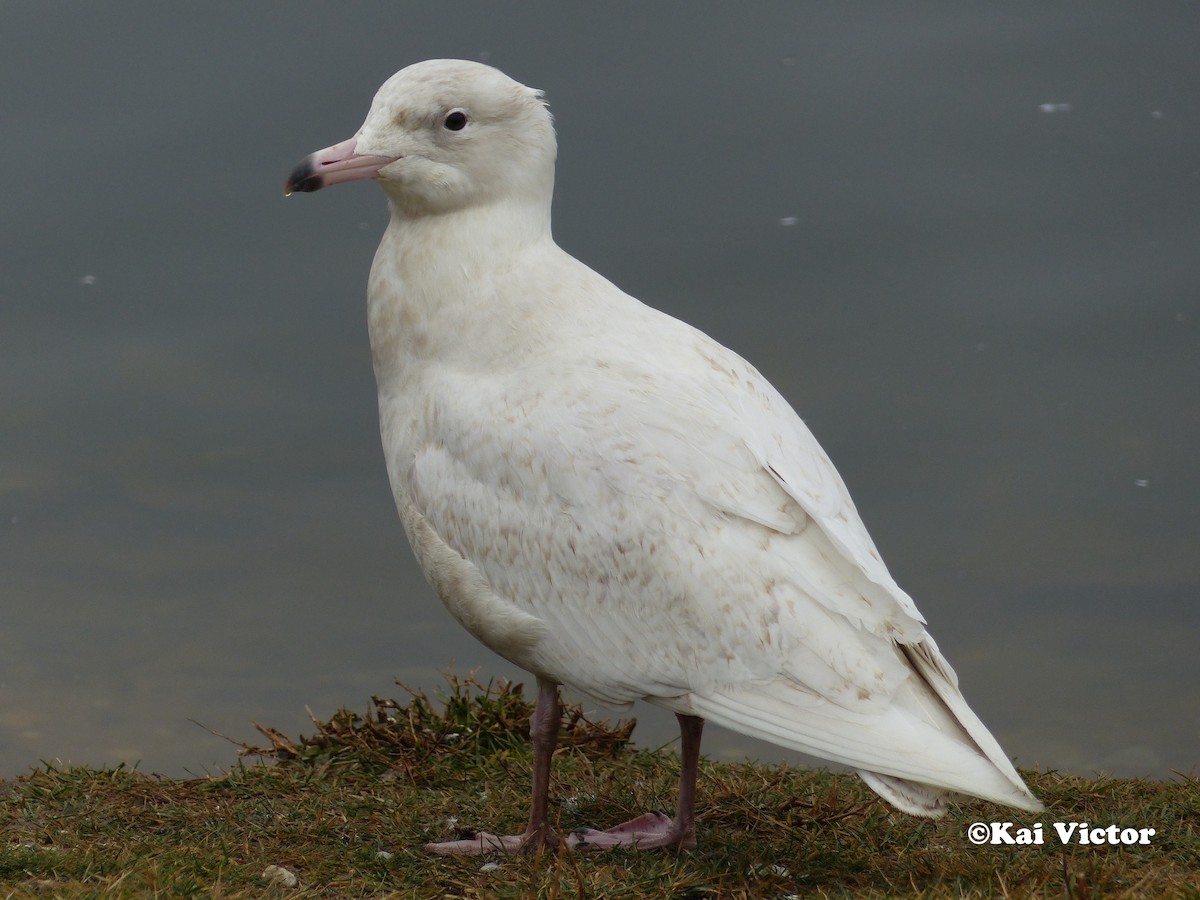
point(916, 752)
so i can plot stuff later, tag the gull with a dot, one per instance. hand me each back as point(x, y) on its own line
point(612, 500)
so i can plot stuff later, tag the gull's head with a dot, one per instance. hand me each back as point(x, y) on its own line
point(442, 135)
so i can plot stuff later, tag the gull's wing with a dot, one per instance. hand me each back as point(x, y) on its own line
point(677, 533)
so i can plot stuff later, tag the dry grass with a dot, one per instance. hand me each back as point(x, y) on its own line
point(347, 809)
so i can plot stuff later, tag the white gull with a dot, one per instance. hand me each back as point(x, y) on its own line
point(611, 499)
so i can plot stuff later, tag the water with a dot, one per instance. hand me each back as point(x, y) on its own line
point(962, 240)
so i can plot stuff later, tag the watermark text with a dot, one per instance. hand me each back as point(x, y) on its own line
point(1083, 833)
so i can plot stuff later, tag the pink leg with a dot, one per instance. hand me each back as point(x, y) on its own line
point(543, 732)
point(654, 829)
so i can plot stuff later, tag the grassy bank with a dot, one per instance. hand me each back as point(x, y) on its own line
point(345, 811)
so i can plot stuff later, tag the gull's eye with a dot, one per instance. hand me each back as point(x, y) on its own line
point(456, 120)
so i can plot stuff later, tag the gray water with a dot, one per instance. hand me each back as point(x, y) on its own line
point(961, 239)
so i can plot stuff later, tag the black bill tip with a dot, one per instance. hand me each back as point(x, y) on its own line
point(303, 179)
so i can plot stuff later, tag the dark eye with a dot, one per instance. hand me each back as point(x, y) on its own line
point(456, 121)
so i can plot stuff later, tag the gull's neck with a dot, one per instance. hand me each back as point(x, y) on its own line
point(443, 287)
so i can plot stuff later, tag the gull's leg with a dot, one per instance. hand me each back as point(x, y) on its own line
point(690, 728)
point(543, 731)
point(654, 829)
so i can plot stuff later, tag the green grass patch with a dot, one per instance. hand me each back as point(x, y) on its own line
point(346, 810)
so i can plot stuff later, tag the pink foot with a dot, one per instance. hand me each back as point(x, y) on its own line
point(646, 832)
point(485, 842)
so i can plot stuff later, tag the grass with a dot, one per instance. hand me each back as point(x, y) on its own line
point(346, 809)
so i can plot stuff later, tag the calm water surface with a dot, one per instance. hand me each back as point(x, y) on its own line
point(963, 241)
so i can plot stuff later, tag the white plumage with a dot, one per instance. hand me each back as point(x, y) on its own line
point(606, 496)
